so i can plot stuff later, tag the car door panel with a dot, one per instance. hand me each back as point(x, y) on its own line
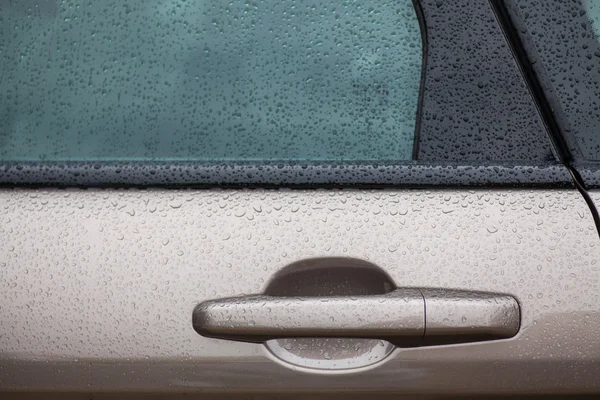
point(99, 285)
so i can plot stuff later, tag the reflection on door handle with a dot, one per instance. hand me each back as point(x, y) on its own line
point(395, 315)
point(405, 317)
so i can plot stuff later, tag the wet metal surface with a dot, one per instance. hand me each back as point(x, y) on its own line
point(98, 286)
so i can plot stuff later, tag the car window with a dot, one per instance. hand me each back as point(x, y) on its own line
point(563, 41)
point(300, 93)
point(208, 80)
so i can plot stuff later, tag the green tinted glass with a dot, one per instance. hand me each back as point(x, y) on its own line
point(593, 11)
point(208, 80)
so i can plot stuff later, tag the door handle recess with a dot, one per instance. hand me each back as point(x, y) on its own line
point(405, 317)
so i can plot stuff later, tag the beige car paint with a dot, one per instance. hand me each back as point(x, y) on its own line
point(98, 286)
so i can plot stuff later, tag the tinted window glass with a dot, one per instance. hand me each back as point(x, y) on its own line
point(593, 10)
point(563, 41)
point(208, 80)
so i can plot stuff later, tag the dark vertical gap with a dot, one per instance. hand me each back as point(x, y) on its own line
point(423, 25)
point(538, 95)
point(535, 87)
point(586, 196)
point(424, 315)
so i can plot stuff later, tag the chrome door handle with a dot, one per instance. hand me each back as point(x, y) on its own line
point(405, 317)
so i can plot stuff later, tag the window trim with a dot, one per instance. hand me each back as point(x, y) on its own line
point(586, 171)
point(182, 174)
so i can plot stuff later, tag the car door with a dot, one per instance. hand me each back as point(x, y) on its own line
point(287, 198)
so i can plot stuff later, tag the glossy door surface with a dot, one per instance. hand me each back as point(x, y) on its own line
point(98, 286)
